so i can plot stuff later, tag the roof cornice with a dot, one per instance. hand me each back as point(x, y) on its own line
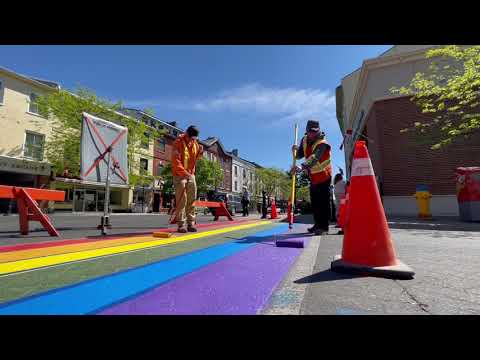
point(27, 79)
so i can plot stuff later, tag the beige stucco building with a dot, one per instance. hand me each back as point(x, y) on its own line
point(366, 105)
point(23, 133)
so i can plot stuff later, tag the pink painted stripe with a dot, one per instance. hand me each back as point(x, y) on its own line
point(44, 244)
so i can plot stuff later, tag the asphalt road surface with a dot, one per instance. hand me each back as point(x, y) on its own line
point(444, 253)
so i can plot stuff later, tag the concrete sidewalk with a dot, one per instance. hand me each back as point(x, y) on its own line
point(444, 253)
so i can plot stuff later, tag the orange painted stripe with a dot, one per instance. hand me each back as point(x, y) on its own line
point(66, 249)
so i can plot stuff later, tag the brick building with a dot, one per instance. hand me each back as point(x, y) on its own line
point(400, 160)
point(214, 151)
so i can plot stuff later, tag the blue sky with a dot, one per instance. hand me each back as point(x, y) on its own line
point(248, 96)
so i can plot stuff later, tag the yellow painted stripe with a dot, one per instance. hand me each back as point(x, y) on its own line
point(29, 264)
point(65, 249)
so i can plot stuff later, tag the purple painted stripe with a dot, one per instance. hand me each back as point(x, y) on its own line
point(238, 285)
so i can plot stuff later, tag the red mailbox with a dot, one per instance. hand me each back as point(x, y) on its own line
point(468, 192)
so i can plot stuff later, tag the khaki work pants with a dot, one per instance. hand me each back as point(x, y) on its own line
point(184, 204)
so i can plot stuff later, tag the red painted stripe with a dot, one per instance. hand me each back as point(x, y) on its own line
point(17, 247)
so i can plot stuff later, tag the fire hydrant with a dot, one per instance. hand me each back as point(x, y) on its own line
point(423, 197)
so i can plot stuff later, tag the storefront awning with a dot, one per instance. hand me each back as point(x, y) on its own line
point(24, 166)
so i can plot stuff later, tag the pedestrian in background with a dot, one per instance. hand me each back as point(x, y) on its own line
point(264, 205)
point(245, 201)
point(339, 191)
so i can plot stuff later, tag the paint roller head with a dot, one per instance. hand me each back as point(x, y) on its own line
point(162, 234)
point(292, 243)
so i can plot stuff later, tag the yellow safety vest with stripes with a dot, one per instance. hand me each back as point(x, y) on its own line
point(186, 155)
point(322, 169)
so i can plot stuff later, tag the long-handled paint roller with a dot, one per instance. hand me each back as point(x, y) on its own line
point(294, 177)
point(294, 242)
point(161, 234)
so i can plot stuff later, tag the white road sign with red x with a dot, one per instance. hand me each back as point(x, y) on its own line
point(98, 136)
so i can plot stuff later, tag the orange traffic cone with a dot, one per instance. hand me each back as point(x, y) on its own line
point(273, 214)
point(367, 244)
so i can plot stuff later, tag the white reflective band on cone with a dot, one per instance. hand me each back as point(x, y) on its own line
point(362, 167)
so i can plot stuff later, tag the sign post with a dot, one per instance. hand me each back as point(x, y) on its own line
point(105, 220)
point(104, 163)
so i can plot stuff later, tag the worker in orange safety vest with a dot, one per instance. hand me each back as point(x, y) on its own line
point(185, 153)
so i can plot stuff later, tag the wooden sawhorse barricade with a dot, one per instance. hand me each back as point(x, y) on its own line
point(28, 209)
point(220, 209)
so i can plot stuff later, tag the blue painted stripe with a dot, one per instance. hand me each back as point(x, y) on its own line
point(96, 294)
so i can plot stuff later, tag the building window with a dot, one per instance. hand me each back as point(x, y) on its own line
point(235, 170)
point(1, 92)
point(33, 106)
point(33, 148)
point(244, 174)
point(236, 186)
point(143, 166)
point(251, 177)
point(159, 169)
point(161, 144)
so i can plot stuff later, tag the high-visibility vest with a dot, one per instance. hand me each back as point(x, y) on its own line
point(188, 154)
point(322, 170)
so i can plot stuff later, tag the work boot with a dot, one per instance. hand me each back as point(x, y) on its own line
point(182, 229)
point(191, 228)
point(319, 232)
point(312, 229)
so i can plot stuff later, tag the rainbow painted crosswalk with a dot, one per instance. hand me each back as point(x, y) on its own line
point(233, 277)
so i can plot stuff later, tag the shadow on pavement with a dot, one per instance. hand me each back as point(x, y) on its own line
point(301, 219)
point(325, 275)
point(271, 238)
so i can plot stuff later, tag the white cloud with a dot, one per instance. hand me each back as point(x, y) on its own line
point(289, 104)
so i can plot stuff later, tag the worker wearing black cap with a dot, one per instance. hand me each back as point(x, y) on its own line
point(186, 151)
point(315, 149)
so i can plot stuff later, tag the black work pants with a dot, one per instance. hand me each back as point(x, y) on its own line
point(245, 208)
point(264, 212)
point(320, 197)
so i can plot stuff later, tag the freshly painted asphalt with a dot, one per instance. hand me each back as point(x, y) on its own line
point(19, 285)
point(94, 295)
point(145, 242)
point(240, 284)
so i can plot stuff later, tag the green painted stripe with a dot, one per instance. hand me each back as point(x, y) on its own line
point(29, 283)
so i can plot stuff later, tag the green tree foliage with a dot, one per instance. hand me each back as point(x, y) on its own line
point(302, 187)
point(208, 175)
point(271, 180)
point(449, 93)
point(303, 193)
point(167, 178)
point(65, 110)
